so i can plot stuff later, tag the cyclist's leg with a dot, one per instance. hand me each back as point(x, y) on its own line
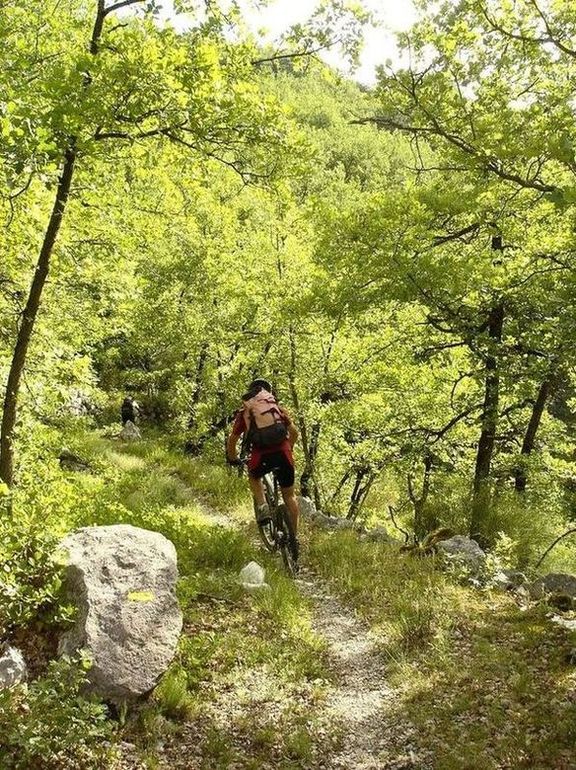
point(291, 503)
point(257, 489)
point(285, 475)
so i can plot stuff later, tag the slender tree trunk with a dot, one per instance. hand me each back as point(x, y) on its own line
point(362, 486)
point(301, 422)
point(28, 320)
point(197, 392)
point(308, 484)
point(531, 431)
point(338, 489)
point(421, 525)
point(489, 421)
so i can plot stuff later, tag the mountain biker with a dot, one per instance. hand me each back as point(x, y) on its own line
point(129, 410)
point(262, 460)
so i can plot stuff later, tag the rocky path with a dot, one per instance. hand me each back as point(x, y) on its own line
point(360, 702)
point(360, 696)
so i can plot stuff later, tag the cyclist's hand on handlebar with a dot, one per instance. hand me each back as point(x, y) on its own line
point(234, 461)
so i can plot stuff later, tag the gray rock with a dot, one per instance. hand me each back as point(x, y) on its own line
point(129, 432)
point(252, 578)
point(307, 508)
point(464, 550)
point(71, 462)
point(123, 581)
point(508, 579)
point(80, 404)
point(13, 669)
point(252, 573)
point(565, 622)
point(333, 522)
point(554, 583)
point(380, 535)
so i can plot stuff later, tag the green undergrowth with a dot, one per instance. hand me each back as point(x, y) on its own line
point(227, 634)
point(486, 683)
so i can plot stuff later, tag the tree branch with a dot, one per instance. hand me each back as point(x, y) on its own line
point(121, 4)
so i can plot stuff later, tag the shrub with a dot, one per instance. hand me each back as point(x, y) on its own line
point(30, 576)
point(51, 726)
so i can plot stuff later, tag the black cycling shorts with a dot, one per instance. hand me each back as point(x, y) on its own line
point(278, 460)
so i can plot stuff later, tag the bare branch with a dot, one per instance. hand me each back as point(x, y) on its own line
point(294, 55)
point(491, 164)
point(120, 4)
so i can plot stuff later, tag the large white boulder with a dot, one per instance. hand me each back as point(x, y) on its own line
point(123, 580)
point(13, 669)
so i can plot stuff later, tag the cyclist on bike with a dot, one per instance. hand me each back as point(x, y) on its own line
point(263, 459)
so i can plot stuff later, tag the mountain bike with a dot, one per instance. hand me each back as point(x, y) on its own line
point(277, 533)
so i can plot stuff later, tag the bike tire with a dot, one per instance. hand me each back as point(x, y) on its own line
point(267, 531)
point(288, 541)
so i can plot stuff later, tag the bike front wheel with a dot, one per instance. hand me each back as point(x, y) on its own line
point(287, 541)
point(267, 530)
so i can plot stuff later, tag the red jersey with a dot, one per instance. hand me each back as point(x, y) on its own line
point(256, 454)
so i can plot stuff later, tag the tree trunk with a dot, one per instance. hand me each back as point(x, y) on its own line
point(421, 525)
point(337, 490)
point(197, 392)
point(531, 431)
point(308, 485)
point(300, 421)
point(489, 421)
point(28, 321)
point(360, 492)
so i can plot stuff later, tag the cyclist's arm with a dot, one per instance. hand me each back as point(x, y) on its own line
point(231, 446)
point(238, 429)
point(292, 430)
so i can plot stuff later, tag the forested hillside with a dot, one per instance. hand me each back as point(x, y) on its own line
point(185, 211)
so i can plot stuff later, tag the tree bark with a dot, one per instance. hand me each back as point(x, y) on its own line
point(421, 525)
point(359, 494)
point(531, 431)
point(301, 422)
point(28, 321)
point(197, 392)
point(489, 421)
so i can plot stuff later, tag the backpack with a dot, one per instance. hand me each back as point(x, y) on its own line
point(265, 425)
point(127, 409)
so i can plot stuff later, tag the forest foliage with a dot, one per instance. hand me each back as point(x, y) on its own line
point(183, 211)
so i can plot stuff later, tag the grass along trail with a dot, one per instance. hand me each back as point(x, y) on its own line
point(284, 679)
point(370, 661)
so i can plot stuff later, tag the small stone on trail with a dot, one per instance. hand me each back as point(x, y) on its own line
point(252, 578)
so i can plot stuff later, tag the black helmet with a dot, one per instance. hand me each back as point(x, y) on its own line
point(260, 383)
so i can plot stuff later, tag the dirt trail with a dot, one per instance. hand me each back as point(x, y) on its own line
point(360, 701)
point(361, 696)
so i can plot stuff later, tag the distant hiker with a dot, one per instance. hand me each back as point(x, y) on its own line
point(269, 435)
point(129, 410)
